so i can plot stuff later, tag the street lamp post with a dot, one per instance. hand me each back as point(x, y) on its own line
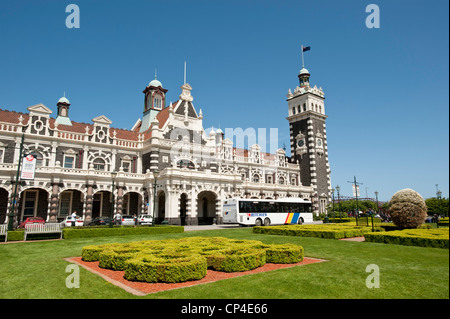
point(332, 197)
point(113, 177)
point(155, 176)
point(339, 200)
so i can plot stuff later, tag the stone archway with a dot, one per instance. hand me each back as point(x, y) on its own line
point(33, 202)
point(206, 207)
point(160, 208)
point(3, 204)
point(183, 208)
point(101, 204)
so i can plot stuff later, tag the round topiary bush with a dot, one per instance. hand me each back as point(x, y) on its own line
point(407, 209)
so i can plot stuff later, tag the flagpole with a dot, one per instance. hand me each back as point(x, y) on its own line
point(303, 62)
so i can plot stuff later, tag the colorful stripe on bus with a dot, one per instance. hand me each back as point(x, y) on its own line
point(292, 218)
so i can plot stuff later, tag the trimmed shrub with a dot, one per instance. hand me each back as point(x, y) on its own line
point(437, 238)
point(165, 268)
point(407, 209)
point(69, 233)
point(330, 231)
point(234, 260)
point(284, 254)
point(177, 260)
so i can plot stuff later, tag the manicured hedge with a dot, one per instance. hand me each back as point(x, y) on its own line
point(177, 260)
point(438, 238)
point(75, 232)
point(330, 231)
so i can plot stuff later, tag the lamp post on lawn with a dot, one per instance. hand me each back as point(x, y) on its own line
point(339, 200)
point(332, 197)
point(155, 176)
point(113, 177)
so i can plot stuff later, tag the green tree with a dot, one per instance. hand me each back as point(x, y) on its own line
point(437, 206)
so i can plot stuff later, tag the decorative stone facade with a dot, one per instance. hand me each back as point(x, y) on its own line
point(196, 171)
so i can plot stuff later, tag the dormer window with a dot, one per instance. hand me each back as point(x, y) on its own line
point(157, 102)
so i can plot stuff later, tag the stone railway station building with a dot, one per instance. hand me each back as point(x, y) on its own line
point(167, 151)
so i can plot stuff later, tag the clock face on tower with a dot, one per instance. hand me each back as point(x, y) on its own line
point(319, 142)
point(301, 143)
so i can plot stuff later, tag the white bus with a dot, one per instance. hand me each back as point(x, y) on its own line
point(266, 211)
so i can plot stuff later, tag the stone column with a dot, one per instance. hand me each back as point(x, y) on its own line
point(54, 201)
point(89, 202)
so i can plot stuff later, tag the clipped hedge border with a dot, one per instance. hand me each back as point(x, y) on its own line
point(437, 238)
point(177, 260)
point(328, 231)
point(69, 233)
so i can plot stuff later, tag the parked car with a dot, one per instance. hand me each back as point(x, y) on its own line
point(32, 220)
point(101, 220)
point(67, 222)
point(128, 220)
point(145, 219)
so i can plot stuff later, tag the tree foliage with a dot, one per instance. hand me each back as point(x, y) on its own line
point(437, 206)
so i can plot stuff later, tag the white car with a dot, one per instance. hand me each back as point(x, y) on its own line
point(128, 220)
point(145, 219)
point(68, 221)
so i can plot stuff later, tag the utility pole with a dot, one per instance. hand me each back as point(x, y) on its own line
point(356, 184)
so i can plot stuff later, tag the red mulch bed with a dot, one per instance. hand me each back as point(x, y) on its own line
point(144, 288)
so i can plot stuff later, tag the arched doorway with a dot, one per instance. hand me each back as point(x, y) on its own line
point(206, 208)
point(101, 204)
point(160, 207)
point(3, 204)
point(33, 203)
point(183, 209)
point(131, 204)
point(69, 202)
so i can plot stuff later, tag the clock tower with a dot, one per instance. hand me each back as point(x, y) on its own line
point(306, 116)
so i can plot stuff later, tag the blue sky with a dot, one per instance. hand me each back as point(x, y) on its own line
point(386, 89)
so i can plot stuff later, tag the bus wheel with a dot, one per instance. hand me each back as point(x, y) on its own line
point(267, 222)
point(258, 222)
point(300, 221)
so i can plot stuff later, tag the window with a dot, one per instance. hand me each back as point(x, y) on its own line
point(65, 203)
point(126, 165)
point(293, 110)
point(39, 158)
point(157, 102)
point(29, 203)
point(255, 178)
point(304, 107)
point(99, 164)
point(269, 179)
point(281, 180)
point(2, 152)
point(69, 161)
point(185, 164)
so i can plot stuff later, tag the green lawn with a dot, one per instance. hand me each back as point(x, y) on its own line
point(37, 270)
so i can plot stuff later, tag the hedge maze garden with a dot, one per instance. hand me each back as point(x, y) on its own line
point(179, 260)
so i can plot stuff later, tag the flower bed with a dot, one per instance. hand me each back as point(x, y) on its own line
point(438, 238)
point(330, 231)
point(188, 258)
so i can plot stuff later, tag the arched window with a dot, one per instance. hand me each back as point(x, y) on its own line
point(185, 164)
point(304, 107)
point(39, 158)
point(99, 164)
point(281, 180)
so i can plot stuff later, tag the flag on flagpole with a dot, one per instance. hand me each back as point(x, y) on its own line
point(305, 48)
